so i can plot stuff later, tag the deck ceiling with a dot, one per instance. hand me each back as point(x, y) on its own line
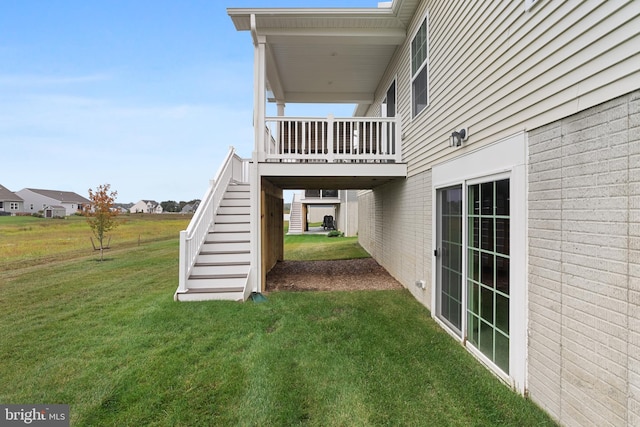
point(332, 176)
point(336, 55)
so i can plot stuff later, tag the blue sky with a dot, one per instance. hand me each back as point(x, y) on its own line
point(144, 95)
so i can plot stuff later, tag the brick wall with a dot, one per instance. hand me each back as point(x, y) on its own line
point(584, 265)
point(583, 259)
point(394, 226)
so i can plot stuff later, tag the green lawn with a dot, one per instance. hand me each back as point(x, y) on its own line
point(313, 247)
point(108, 339)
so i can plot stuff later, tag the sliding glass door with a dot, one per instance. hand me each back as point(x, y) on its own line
point(485, 265)
point(449, 257)
point(488, 222)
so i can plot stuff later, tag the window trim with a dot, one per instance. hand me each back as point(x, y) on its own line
point(425, 65)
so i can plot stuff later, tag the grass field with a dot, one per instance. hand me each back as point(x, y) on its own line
point(26, 240)
point(108, 339)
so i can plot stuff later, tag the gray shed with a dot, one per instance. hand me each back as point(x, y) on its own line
point(55, 212)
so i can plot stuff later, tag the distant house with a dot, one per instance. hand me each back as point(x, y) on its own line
point(36, 200)
point(146, 206)
point(190, 207)
point(10, 202)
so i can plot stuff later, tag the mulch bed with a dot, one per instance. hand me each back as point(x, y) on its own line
point(342, 275)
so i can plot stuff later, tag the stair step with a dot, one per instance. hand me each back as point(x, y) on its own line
point(223, 257)
point(212, 238)
point(224, 282)
point(243, 195)
point(212, 294)
point(232, 227)
point(238, 254)
point(235, 202)
point(232, 247)
point(215, 270)
point(228, 236)
point(233, 210)
point(213, 264)
point(239, 187)
point(232, 218)
point(218, 276)
point(213, 290)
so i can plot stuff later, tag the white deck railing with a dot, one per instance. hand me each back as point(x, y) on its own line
point(355, 139)
point(233, 169)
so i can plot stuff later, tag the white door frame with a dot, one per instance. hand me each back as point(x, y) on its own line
point(504, 158)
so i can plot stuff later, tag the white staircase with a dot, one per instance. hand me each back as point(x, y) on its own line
point(222, 266)
point(295, 217)
point(218, 268)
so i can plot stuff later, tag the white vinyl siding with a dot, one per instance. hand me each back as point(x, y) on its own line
point(502, 69)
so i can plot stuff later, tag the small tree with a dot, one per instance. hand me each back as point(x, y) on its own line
point(101, 215)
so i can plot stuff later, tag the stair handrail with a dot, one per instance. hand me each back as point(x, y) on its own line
point(233, 168)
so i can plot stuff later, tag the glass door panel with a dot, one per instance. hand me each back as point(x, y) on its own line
point(449, 256)
point(488, 270)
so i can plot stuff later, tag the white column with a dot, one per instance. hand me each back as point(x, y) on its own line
point(259, 111)
point(259, 102)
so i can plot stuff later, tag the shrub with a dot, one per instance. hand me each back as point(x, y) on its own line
point(335, 233)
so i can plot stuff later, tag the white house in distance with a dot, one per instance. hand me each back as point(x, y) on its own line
point(10, 202)
point(146, 206)
point(498, 147)
point(36, 200)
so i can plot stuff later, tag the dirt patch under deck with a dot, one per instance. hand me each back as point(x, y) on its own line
point(342, 275)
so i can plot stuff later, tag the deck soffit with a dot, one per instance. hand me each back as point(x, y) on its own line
point(327, 55)
point(345, 176)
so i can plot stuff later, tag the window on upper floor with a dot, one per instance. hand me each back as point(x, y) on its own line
point(389, 103)
point(420, 70)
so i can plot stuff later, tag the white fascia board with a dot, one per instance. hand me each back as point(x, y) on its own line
point(311, 11)
point(240, 16)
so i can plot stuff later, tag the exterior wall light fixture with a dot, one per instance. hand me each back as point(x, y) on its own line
point(457, 138)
